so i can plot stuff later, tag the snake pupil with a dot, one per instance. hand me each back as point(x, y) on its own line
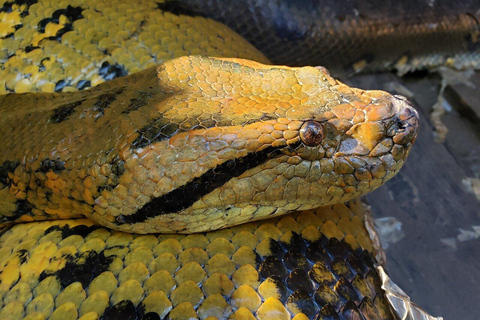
point(311, 133)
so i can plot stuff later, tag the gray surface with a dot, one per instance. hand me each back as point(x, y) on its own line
point(430, 200)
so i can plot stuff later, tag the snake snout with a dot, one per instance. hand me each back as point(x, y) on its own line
point(407, 121)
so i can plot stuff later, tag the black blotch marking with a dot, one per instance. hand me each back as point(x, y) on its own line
point(258, 259)
point(31, 48)
point(66, 231)
point(22, 255)
point(5, 168)
point(157, 130)
point(124, 310)
point(104, 100)
point(313, 284)
point(368, 259)
point(321, 274)
point(276, 249)
point(374, 280)
point(272, 267)
point(299, 280)
point(41, 66)
point(368, 309)
point(61, 84)
point(304, 303)
point(140, 100)
point(316, 252)
point(64, 111)
point(297, 243)
point(356, 264)
point(71, 13)
point(111, 71)
point(146, 316)
point(336, 248)
point(282, 289)
point(295, 259)
point(8, 7)
point(346, 291)
point(82, 268)
point(23, 207)
point(150, 316)
point(324, 295)
point(341, 269)
point(328, 313)
point(83, 84)
point(177, 8)
point(47, 165)
point(186, 195)
point(118, 168)
point(350, 311)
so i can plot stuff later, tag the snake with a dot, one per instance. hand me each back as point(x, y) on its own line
point(157, 166)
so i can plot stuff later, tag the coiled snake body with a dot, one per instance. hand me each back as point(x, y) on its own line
point(194, 145)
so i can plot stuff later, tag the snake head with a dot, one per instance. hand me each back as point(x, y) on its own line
point(233, 140)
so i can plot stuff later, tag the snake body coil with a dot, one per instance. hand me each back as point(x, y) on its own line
point(194, 145)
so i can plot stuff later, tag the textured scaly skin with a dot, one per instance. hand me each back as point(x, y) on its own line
point(304, 264)
point(197, 144)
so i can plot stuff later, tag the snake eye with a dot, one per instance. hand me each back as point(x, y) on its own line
point(311, 133)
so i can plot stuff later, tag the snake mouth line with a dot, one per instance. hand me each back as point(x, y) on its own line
point(183, 197)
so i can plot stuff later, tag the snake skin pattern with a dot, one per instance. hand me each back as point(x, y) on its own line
point(355, 36)
point(90, 153)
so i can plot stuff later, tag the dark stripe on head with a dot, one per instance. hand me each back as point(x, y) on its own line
point(140, 100)
point(64, 111)
point(104, 100)
point(186, 195)
point(157, 130)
